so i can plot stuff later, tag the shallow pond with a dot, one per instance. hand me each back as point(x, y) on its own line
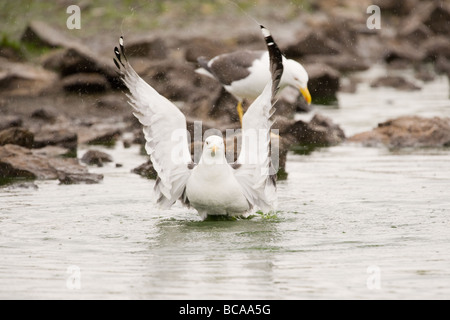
point(353, 223)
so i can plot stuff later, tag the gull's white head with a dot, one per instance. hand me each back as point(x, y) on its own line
point(295, 75)
point(213, 150)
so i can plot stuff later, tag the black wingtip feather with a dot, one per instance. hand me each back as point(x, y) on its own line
point(119, 54)
point(276, 59)
point(116, 63)
point(122, 48)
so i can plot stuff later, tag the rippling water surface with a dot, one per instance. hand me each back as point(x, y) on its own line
point(353, 223)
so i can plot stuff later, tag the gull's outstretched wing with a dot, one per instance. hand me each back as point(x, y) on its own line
point(254, 161)
point(165, 132)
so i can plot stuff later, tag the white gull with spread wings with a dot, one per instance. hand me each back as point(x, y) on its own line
point(213, 186)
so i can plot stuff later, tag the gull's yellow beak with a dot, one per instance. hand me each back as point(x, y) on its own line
point(306, 94)
point(213, 150)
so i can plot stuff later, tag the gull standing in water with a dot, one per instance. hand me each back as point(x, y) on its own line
point(213, 186)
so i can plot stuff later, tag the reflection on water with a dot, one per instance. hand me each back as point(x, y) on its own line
point(347, 215)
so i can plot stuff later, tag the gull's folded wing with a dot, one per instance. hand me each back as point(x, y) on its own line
point(165, 132)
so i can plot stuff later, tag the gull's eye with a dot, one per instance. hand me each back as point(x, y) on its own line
point(207, 142)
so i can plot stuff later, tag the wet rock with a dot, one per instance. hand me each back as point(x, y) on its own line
point(54, 60)
point(219, 104)
point(348, 85)
point(282, 124)
point(20, 185)
point(436, 47)
point(442, 66)
point(79, 178)
point(127, 143)
point(408, 131)
point(77, 58)
point(203, 47)
point(225, 107)
point(174, 80)
point(138, 137)
point(40, 34)
point(370, 47)
point(415, 31)
point(396, 7)
point(404, 52)
point(17, 136)
point(323, 83)
point(198, 127)
point(112, 102)
point(8, 121)
point(249, 40)
point(150, 47)
point(312, 43)
point(425, 73)
point(287, 107)
point(396, 82)
point(96, 157)
point(320, 131)
point(19, 79)
point(12, 54)
point(325, 132)
point(341, 62)
point(141, 64)
point(52, 151)
point(146, 170)
point(57, 135)
point(344, 28)
point(100, 133)
point(85, 83)
point(435, 15)
point(209, 100)
point(44, 115)
point(19, 162)
point(199, 106)
point(81, 59)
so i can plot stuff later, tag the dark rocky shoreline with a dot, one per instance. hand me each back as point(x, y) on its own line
point(72, 95)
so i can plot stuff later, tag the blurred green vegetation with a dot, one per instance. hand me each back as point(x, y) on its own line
point(22, 50)
point(7, 42)
point(102, 15)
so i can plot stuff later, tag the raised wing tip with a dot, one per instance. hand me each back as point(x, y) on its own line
point(265, 31)
point(276, 59)
point(119, 53)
